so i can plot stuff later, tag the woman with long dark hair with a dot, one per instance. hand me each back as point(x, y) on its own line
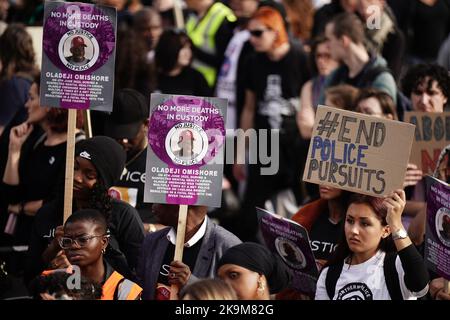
point(376, 260)
point(36, 158)
point(18, 65)
point(173, 57)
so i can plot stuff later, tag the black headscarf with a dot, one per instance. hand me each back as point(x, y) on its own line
point(257, 258)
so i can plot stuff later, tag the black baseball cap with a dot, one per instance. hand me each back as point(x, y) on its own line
point(130, 110)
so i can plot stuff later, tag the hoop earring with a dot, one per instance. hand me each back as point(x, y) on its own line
point(261, 287)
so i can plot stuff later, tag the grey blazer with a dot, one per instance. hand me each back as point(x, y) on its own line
point(215, 242)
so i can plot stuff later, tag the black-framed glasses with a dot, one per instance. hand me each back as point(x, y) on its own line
point(66, 242)
point(256, 32)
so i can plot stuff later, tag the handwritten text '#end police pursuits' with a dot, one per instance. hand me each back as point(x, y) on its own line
point(78, 20)
point(339, 156)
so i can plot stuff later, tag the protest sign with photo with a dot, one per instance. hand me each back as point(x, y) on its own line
point(437, 244)
point(357, 152)
point(290, 241)
point(186, 150)
point(78, 56)
point(431, 136)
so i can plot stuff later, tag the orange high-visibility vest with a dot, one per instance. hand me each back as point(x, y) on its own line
point(116, 287)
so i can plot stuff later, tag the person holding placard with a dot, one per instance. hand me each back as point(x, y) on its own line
point(253, 271)
point(99, 162)
point(84, 242)
point(377, 260)
point(128, 125)
point(323, 219)
point(276, 74)
point(205, 243)
point(35, 163)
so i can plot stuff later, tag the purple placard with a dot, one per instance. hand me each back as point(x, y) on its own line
point(437, 242)
point(290, 241)
point(185, 155)
point(78, 56)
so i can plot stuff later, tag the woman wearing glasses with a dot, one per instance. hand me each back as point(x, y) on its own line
point(275, 75)
point(84, 242)
point(99, 162)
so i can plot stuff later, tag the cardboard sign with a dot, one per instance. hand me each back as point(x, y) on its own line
point(431, 136)
point(78, 56)
point(186, 150)
point(290, 241)
point(437, 239)
point(357, 152)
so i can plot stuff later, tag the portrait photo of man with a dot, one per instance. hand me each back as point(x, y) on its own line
point(77, 49)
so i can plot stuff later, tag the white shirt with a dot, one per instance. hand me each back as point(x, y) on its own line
point(365, 281)
point(172, 237)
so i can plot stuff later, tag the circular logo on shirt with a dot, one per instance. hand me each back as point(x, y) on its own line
point(290, 253)
point(355, 291)
point(442, 221)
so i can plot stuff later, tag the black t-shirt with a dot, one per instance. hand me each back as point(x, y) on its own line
point(189, 258)
point(277, 85)
point(130, 188)
point(324, 236)
point(430, 25)
point(40, 167)
point(188, 82)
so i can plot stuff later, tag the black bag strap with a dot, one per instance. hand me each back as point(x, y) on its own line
point(116, 292)
point(333, 274)
point(391, 276)
point(371, 74)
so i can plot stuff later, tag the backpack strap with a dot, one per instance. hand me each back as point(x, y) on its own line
point(333, 274)
point(391, 276)
point(371, 74)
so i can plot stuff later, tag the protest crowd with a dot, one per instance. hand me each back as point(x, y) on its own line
point(377, 64)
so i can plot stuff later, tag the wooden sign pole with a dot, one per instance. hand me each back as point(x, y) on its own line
point(447, 286)
point(70, 155)
point(181, 232)
point(178, 13)
point(87, 123)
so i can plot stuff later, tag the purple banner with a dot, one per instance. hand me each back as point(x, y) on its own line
point(185, 158)
point(78, 56)
point(437, 245)
point(290, 241)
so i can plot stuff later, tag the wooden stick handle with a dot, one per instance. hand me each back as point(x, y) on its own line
point(70, 155)
point(447, 286)
point(178, 13)
point(87, 123)
point(181, 232)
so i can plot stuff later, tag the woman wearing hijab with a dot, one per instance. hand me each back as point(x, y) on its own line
point(253, 271)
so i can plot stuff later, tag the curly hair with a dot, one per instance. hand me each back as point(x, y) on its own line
point(56, 284)
point(417, 74)
point(100, 200)
point(16, 51)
